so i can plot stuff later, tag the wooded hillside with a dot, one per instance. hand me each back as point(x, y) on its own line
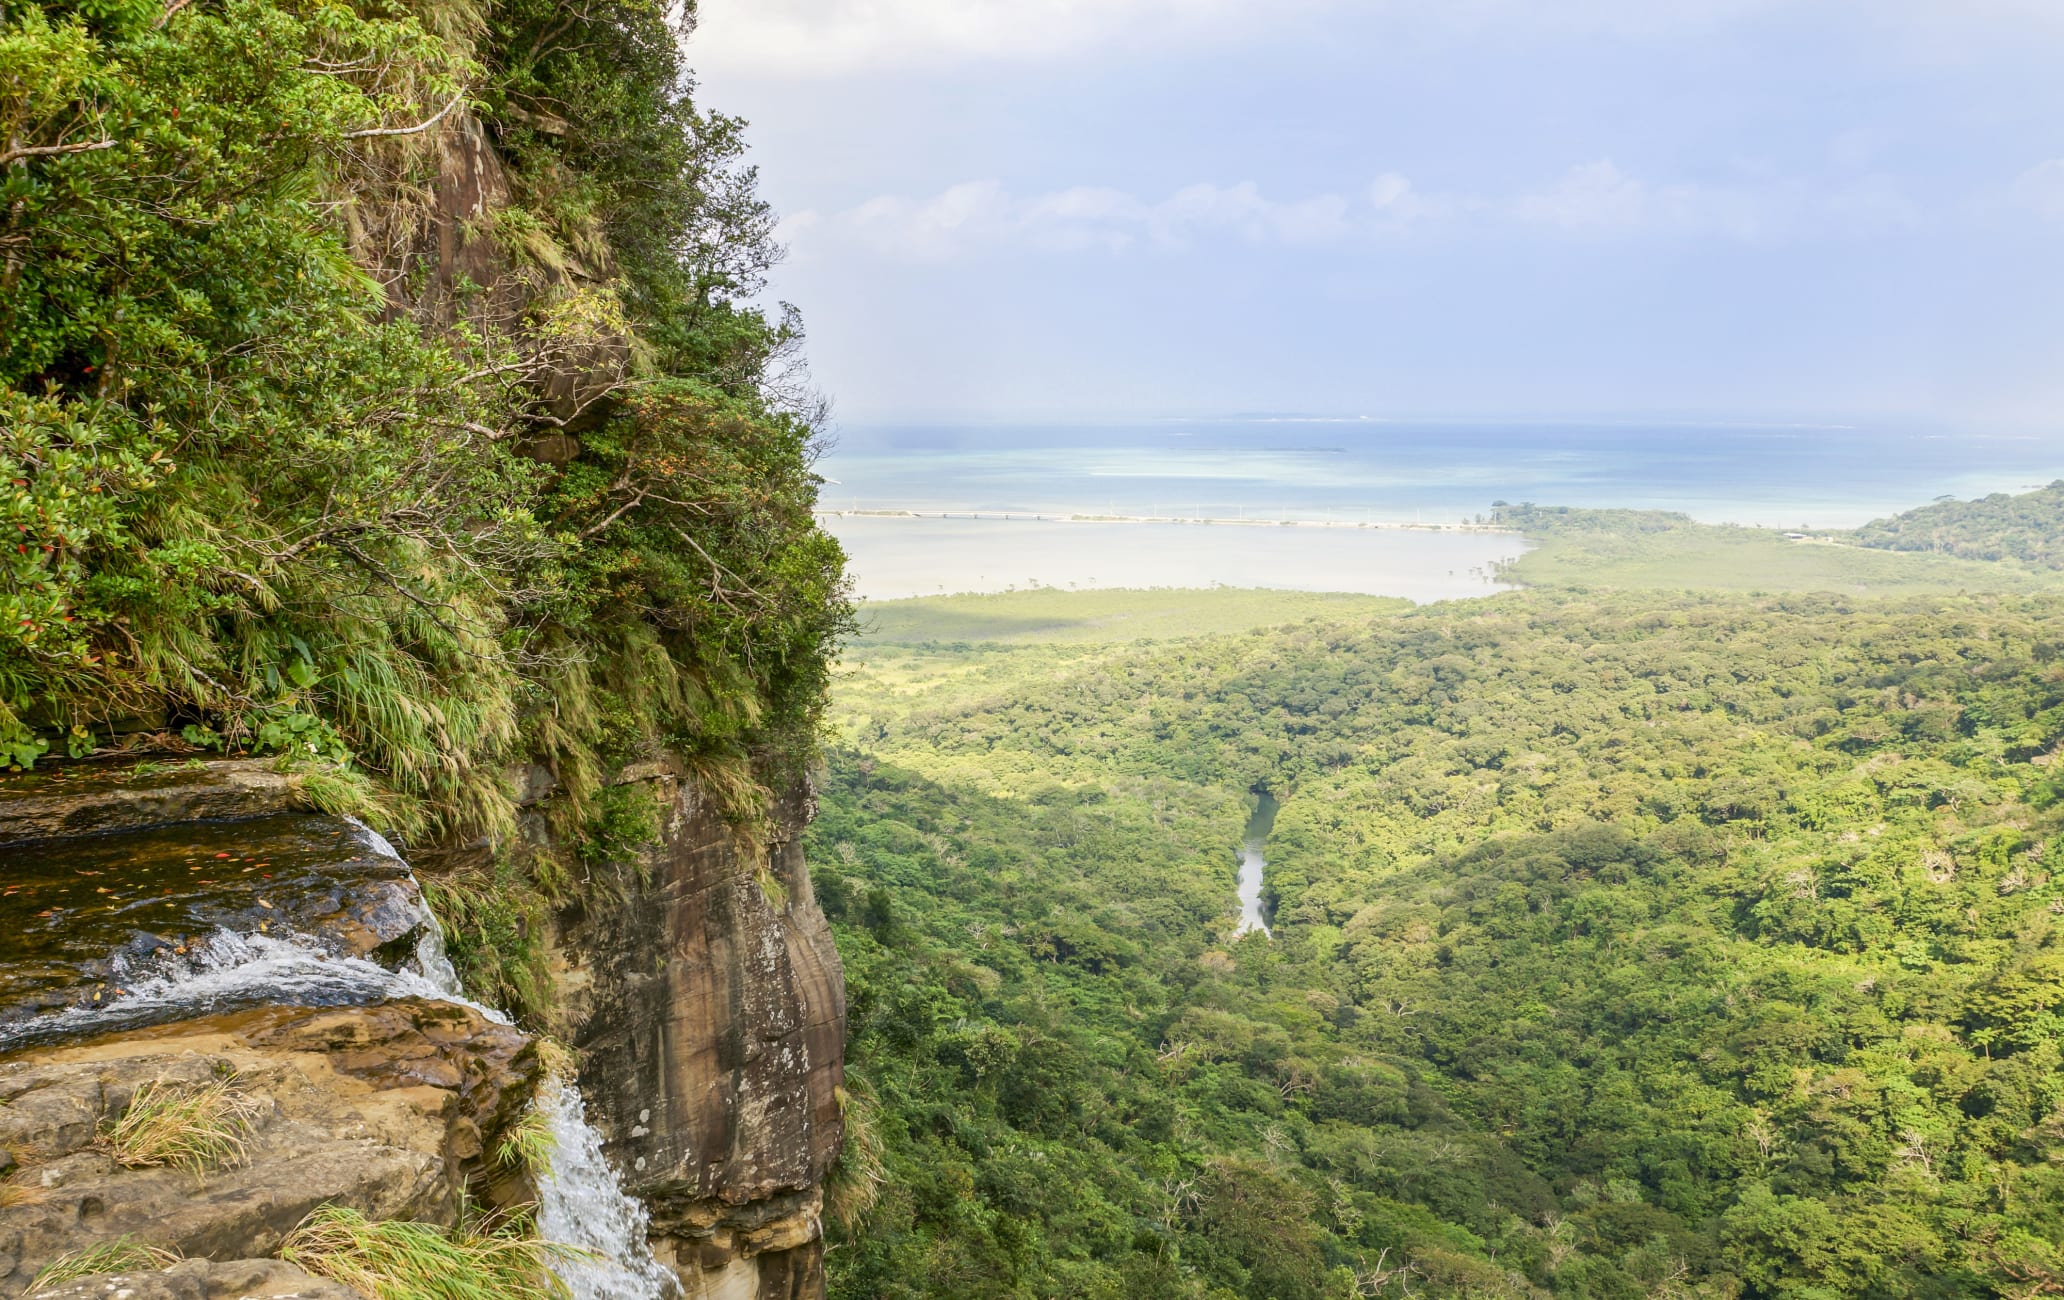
point(1624, 947)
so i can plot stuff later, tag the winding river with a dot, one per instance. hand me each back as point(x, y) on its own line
point(1252, 864)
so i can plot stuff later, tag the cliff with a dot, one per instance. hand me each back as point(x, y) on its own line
point(708, 1008)
point(412, 455)
point(704, 1006)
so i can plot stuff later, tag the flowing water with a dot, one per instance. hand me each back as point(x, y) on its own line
point(582, 1204)
point(232, 972)
point(117, 956)
point(1252, 864)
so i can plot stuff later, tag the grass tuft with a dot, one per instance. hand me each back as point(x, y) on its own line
point(188, 1128)
point(15, 1191)
point(122, 1255)
point(855, 1181)
point(397, 1260)
point(527, 1144)
point(771, 887)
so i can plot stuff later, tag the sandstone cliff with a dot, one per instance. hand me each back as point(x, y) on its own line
point(704, 1004)
point(709, 1010)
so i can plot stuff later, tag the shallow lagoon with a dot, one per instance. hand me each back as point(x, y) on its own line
point(897, 557)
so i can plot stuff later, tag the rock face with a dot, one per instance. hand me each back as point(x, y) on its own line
point(699, 985)
point(201, 1279)
point(388, 1109)
point(709, 1008)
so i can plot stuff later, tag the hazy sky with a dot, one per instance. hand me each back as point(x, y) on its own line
point(1702, 208)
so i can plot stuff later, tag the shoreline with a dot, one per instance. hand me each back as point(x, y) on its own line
point(1030, 516)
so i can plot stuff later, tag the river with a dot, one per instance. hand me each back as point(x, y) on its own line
point(1252, 864)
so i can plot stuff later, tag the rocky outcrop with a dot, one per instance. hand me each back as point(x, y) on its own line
point(699, 985)
point(388, 1109)
point(201, 1279)
point(708, 1005)
point(99, 798)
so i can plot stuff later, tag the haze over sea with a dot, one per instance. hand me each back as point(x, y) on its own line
point(1352, 470)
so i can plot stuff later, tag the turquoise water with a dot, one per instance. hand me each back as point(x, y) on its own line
point(1350, 470)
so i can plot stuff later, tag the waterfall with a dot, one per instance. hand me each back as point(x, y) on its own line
point(230, 971)
point(581, 1204)
point(432, 963)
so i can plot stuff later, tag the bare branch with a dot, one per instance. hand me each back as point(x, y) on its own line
point(417, 129)
point(15, 155)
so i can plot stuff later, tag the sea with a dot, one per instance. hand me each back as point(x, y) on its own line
point(1328, 503)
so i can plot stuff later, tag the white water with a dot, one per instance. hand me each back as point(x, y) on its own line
point(1251, 864)
point(432, 962)
point(228, 971)
point(581, 1204)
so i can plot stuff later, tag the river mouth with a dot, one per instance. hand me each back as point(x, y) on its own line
point(1253, 914)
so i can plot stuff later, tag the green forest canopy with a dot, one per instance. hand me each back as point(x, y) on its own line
point(1627, 946)
point(1627, 550)
point(2028, 528)
point(286, 478)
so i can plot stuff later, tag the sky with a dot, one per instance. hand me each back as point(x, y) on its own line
point(1037, 210)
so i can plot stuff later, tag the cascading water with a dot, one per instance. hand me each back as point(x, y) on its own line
point(581, 1204)
point(230, 972)
point(253, 956)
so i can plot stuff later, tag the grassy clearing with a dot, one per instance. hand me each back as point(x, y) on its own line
point(1047, 615)
point(397, 1260)
point(913, 653)
point(1699, 557)
point(190, 1128)
point(123, 1255)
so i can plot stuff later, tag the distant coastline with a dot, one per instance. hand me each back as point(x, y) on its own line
point(1029, 516)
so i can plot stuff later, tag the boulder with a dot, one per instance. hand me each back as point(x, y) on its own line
point(201, 1279)
point(389, 1109)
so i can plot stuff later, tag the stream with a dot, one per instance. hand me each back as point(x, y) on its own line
point(115, 933)
point(1252, 864)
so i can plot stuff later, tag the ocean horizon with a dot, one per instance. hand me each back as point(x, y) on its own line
point(1348, 470)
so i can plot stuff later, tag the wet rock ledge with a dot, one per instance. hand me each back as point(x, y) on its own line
point(186, 926)
point(192, 922)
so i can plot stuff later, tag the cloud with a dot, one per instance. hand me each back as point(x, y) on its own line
point(2041, 189)
point(1590, 201)
point(805, 38)
point(1598, 198)
point(1595, 196)
point(799, 39)
point(1397, 203)
point(978, 215)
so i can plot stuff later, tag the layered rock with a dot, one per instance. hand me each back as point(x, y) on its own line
point(388, 1109)
point(700, 987)
point(708, 1005)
